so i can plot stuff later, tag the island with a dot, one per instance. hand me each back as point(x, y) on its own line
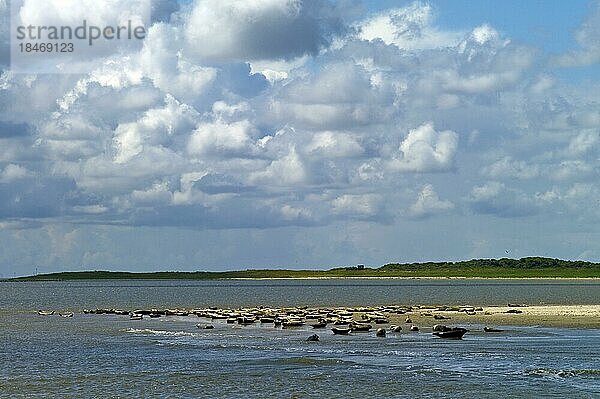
point(529, 267)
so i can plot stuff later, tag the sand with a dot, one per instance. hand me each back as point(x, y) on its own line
point(581, 316)
point(577, 316)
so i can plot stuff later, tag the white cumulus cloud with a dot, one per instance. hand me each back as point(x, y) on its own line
point(429, 203)
point(408, 28)
point(426, 150)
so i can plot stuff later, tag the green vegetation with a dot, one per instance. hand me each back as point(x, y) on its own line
point(505, 268)
point(486, 268)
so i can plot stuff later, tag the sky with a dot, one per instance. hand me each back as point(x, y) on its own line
point(309, 134)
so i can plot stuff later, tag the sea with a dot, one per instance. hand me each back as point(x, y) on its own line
point(110, 356)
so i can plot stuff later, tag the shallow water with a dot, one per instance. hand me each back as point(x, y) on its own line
point(77, 295)
point(111, 356)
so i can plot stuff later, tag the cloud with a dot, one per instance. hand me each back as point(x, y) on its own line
point(488, 63)
point(428, 203)
point(588, 38)
point(426, 150)
point(494, 198)
point(157, 127)
point(584, 142)
point(221, 138)
point(574, 200)
point(161, 10)
point(408, 28)
point(261, 124)
point(288, 170)
point(169, 69)
point(217, 183)
point(34, 197)
point(158, 194)
point(115, 13)
point(90, 209)
point(20, 225)
point(4, 33)
point(8, 129)
point(339, 95)
point(102, 175)
point(484, 34)
point(265, 29)
point(508, 168)
point(569, 170)
point(357, 206)
point(14, 172)
point(334, 145)
point(292, 213)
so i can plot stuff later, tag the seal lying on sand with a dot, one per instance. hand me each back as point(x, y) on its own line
point(440, 328)
point(340, 330)
point(45, 312)
point(455, 333)
point(360, 327)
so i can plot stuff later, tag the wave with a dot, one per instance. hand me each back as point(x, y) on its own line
point(307, 361)
point(549, 372)
point(149, 331)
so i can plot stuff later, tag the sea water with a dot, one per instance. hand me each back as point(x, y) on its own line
point(109, 356)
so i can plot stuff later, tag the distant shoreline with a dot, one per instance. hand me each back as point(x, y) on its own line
point(43, 278)
point(524, 268)
point(411, 278)
point(27, 279)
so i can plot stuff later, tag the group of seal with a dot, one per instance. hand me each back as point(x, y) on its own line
point(341, 320)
